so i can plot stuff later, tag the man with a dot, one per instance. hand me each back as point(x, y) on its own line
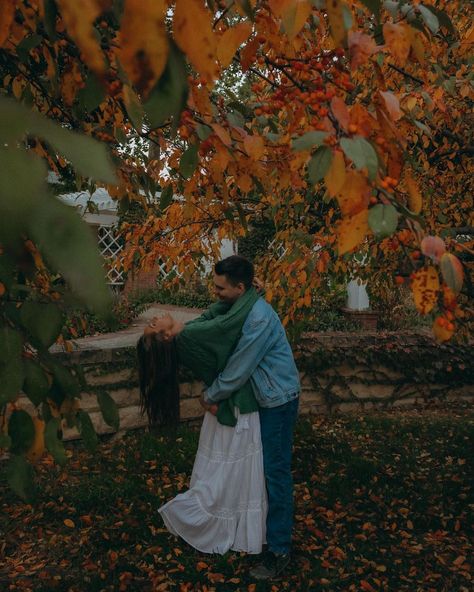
point(263, 354)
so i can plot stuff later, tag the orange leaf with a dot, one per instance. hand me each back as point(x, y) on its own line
point(398, 39)
point(144, 43)
point(279, 7)
point(254, 146)
point(361, 47)
point(230, 42)
point(6, 19)
point(340, 112)
point(336, 20)
point(69, 523)
point(295, 16)
point(79, 18)
point(248, 53)
point(200, 565)
point(392, 105)
point(352, 231)
point(36, 450)
point(425, 287)
point(245, 183)
point(363, 120)
point(415, 200)
point(336, 175)
point(364, 584)
point(193, 33)
point(222, 133)
point(354, 195)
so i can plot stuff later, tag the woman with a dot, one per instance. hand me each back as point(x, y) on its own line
point(225, 507)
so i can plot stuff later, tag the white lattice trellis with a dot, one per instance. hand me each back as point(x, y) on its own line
point(110, 248)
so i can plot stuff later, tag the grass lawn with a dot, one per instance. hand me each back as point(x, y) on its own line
point(383, 502)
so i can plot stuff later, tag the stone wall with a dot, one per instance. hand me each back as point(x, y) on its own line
point(339, 372)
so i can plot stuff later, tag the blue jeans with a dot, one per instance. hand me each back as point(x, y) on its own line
point(277, 425)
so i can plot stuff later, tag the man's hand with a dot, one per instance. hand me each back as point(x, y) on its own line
point(211, 407)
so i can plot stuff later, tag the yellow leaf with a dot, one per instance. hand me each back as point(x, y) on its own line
point(336, 175)
point(425, 287)
point(254, 146)
point(144, 43)
point(36, 450)
point(230, 42)
point(415, 200)
point(193, 33)
point(69, 523)
point(398, 39)
point(295, 16)
point(336, 20)
point(6, 19)
point(354, 195)
point(79, 19)
point(352, 231)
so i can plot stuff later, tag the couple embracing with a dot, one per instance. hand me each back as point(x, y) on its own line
point(241, 490)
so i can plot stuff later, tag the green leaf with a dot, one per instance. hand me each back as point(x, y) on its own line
point(92, 95)
point(308, 140)
point(36, 385)
point(430, 19)
point(22, 178)
point(452, 271)
point(20, 477)
point(166, 197)
point(87, 431)
point(361, 153)
point(319, 164)
point(373, 6)
point(135, 110)
point(66, 382)
point(21, 430)
point(69, 247)
point(109, 410)
point(26, 45)
point(203, 131)
point(43, 321)
point(346, 17)
point(52, 441)
point(11, 364)
point(50, 14)
point(383, 220)
point(169, 96)
point(189, 161)
point(5, 441)
point(235, 118)
point(88, 156)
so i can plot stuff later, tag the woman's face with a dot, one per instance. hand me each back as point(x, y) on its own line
point(165, 326)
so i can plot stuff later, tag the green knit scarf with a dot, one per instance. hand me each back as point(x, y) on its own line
point(206, 343)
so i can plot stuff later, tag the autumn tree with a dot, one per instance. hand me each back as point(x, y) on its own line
point(349, 134)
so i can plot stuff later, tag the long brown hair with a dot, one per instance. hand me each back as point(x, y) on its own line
point(158, 380)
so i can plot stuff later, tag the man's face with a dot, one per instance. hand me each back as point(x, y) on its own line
point(226, 291)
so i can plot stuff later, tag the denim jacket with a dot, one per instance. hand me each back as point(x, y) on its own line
point(263, 354)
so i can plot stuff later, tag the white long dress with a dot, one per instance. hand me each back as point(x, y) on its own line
point(226, 505)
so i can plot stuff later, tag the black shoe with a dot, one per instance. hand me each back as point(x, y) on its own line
point(272, 565)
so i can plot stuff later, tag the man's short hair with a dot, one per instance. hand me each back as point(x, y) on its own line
point(236, 269)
